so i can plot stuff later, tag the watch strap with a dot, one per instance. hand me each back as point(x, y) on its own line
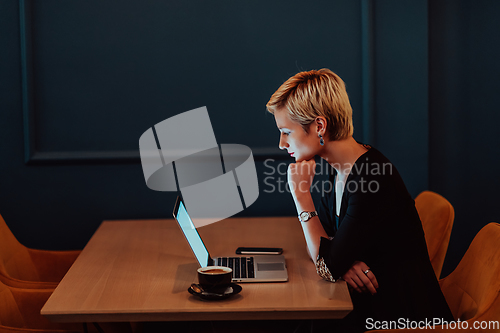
point(308, 216)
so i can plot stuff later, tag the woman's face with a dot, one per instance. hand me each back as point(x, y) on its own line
point(299, 144)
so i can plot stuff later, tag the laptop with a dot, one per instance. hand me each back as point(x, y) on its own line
point(256, 268)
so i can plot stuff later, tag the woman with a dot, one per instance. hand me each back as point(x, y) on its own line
point(366, 229)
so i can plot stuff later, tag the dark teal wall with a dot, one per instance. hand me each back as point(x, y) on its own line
point(420, 75)
point(464, 99)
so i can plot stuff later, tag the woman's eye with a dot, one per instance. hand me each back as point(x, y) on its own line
point(285, 133)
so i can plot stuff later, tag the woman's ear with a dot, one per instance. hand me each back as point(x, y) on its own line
point(321, 124)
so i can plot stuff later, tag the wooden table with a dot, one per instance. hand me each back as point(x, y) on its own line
point(140, 270)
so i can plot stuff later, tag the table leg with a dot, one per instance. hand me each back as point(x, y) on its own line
point(99, 329)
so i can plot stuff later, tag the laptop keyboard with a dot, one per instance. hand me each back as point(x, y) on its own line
point(242, 266)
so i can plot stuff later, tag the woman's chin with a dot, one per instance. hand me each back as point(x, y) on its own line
point(302, 158)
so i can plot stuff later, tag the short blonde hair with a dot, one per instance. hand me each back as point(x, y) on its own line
point(307, 95)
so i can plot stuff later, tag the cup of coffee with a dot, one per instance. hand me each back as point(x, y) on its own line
point(214, 277)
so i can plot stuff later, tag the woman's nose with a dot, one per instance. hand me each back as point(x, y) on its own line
point(283, 144)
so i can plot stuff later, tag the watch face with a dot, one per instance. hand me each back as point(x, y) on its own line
point(304, 216)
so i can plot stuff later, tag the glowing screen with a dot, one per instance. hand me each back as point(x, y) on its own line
point(192, 236)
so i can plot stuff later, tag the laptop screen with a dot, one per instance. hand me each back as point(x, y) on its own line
point(192, 236)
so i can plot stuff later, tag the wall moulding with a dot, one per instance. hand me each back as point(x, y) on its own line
point(34, 154)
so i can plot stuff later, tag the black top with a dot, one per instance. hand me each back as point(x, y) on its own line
point(379, 225)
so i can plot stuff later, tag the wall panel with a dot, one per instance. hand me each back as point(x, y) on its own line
point(99, 73)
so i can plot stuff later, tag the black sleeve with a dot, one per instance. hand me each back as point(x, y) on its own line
point(365, 225)
point(350, 241)
point(326, 209)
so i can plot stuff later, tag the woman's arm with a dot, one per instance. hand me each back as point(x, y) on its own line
point(300, 176)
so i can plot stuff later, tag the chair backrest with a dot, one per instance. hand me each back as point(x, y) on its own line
point(15, 260)
point(472, 290)
point(437, 216)
point(20, 312)
point(9, 311)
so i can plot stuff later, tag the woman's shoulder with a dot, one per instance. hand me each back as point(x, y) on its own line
point(372, 163)
point(374, 176)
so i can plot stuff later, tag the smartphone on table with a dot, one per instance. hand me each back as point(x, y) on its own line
point(259, 250)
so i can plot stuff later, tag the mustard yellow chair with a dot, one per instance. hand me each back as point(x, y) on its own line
point(472, 290)
point(20, 312)
point(437, 216)
point(23, 267)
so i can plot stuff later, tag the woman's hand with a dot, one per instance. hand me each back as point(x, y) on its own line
point(300, 176)
point(358, 280)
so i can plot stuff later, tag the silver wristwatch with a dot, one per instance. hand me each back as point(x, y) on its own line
point(306, 216)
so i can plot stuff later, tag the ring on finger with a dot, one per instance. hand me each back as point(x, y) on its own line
point(366, 272)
